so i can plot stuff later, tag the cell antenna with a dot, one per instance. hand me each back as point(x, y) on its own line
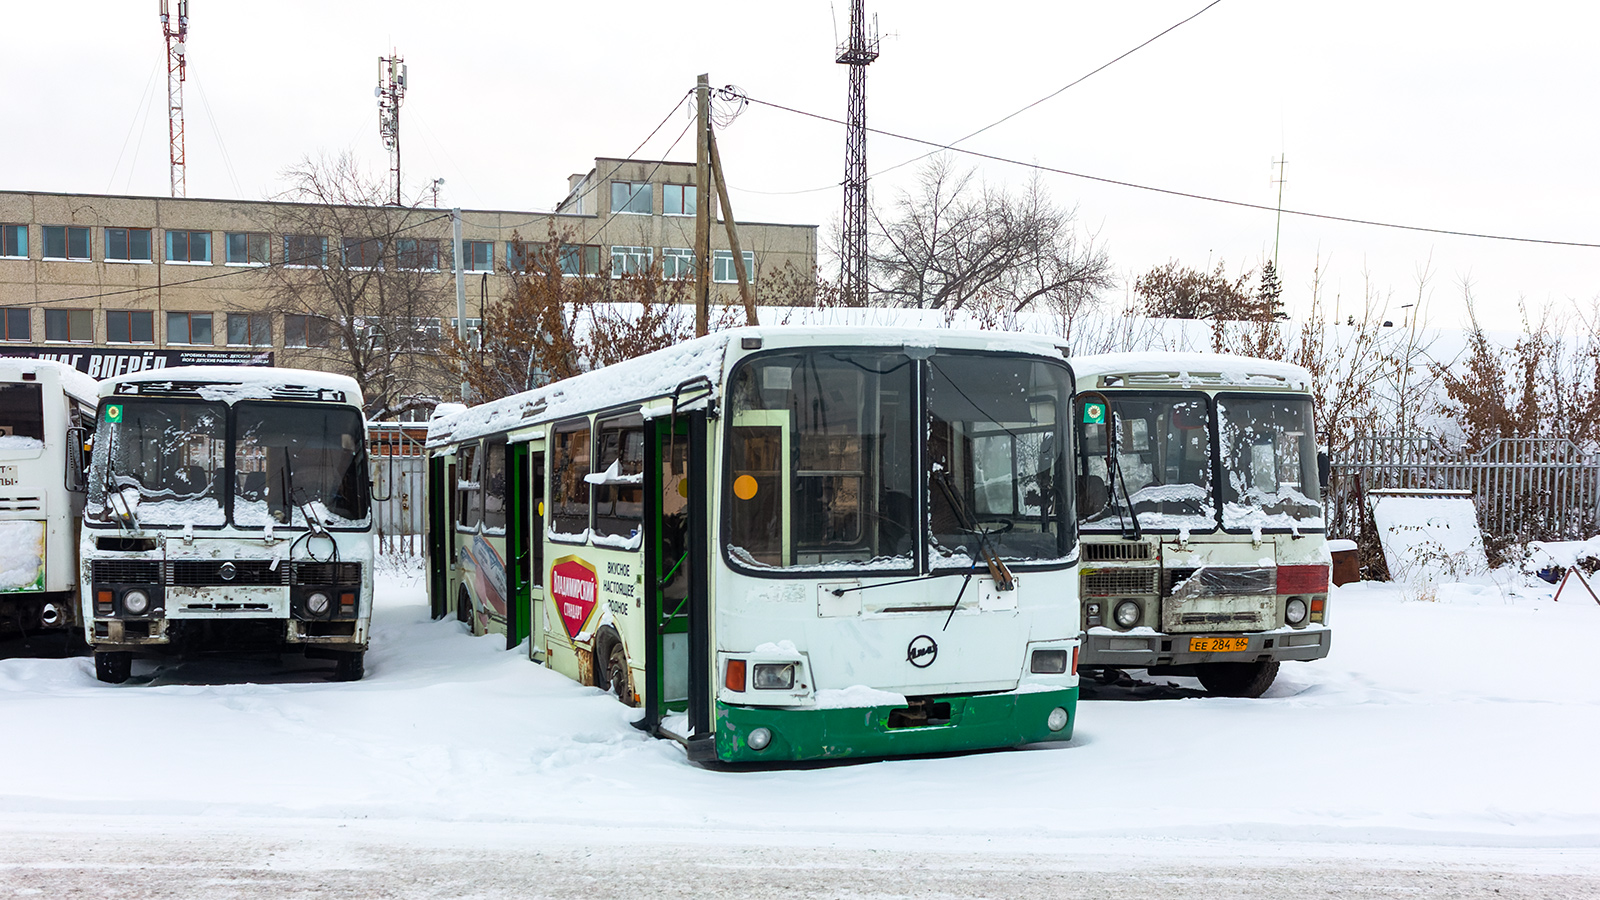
point(177, 37)
point(857, 52)
point(390, 91)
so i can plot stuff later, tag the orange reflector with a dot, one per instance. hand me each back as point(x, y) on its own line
point(734, 679)
point(1317, 604)
point(347, 599)
point(1074, 660)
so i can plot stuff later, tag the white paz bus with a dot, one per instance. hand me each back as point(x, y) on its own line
point(229, 509)
point(1199, 505)
point(46, 409)
point(783, 543)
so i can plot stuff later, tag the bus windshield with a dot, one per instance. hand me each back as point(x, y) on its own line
point(1163, 471)
point(995, 467)
point(1269, 462)
point(21, 416)
point(164, 462)
point(290, 458)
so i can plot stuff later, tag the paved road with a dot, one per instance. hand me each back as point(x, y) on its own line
point(436, 860)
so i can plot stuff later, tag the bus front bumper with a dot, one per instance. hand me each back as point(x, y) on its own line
point(978, 722)
point(1142, 651)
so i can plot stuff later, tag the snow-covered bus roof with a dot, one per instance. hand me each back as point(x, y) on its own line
point(1187, 370)
point(74, 383)
point(659, 374)
point(233, 383)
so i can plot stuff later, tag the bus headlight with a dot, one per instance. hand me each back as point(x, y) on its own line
point(1294, 612)
point(1057, 719)
point(135, 602)
point(1048, 662)
point(759, 739)
point(1128, 613)
point(317, 603)
point(773, 677)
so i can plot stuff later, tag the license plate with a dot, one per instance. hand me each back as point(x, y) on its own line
point(9, 476)
point(1218, 644)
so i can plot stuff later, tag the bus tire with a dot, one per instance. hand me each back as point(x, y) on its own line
point(113, 666)
point(350, 666)
point(611, 666)
point(1249, 680)
point(463, 607)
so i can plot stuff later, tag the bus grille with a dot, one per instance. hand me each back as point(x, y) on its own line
point(1235, 618)
point(1109, 582)
point(327, 573)
point(195, 572)
point(127, 571)
point(21, 504)
point(1093, 552)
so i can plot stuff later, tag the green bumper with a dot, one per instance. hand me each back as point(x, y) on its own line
point(983, 722)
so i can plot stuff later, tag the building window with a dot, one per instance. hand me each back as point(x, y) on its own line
point(128, 244)
point(722, 266)
point(631, 197)
point(362, 253)
point(130, 326)
point(66, 242)
point(17, 325)
point(677, 263)
point(580, 259)
point(246, 248)
point(418, 254)
point(629, 261)
point(189, 246)
point(677, 200)
point(305, 250)
point(75, 325)
point(14, 241)
point(477, 256)
point(306, 331)
point(188, 328)
point(249, 330)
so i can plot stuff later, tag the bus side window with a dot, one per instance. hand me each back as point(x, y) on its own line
point(494, 486)
point(619, 495)
point(569, 487)
point(468, 499)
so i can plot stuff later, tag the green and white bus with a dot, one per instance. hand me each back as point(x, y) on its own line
point(229, 510)
point(783, 543)
point(46, 410)
point(1199, 505)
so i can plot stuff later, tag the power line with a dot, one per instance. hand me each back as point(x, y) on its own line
point(1186, 194)
point(1006, 118)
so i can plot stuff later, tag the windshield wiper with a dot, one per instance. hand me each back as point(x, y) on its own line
point(1003, 579)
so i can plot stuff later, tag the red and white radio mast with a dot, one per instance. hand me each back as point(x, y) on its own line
point(177, 64)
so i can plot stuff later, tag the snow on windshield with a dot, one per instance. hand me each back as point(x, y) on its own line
point(1269, 463)
point(1163, 463)
point(172, 455)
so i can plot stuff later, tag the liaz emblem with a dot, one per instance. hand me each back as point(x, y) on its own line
point(922, 651)
point(575, 588)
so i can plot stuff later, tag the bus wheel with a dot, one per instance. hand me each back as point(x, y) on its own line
point(463, 607)
point(113, 666)
point(350, 666)
point(612, 662)
point(1237, 679)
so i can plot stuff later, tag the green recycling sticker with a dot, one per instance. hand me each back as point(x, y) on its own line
point(1094, 414)
point(114, 413)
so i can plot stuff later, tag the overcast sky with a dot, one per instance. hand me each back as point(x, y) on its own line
point(1453, 115)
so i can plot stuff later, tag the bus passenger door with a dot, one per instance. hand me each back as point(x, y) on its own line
point(518, 559)
point(531, 621)
point(667, 566)
point(440, 527)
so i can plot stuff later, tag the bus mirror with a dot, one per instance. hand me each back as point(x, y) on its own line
point(1324, 469)
point(77, 467)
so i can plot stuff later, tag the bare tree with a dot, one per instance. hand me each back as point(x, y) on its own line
point(1174, 291)
point(952, 242)
point(360, 285)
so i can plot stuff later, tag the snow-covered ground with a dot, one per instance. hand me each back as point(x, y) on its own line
point(1458, 721)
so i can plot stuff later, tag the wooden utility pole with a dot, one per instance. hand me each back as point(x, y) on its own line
point(702, 208)
point(733, 233)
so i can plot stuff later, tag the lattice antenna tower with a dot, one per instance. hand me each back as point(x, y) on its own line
point(858, 51)
point(177, 36)
point(391, 90)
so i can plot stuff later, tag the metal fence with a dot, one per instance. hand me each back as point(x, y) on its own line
point(1524, 488)
point(398, 467)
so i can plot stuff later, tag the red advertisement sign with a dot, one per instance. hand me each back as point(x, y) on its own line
point(575, 588)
